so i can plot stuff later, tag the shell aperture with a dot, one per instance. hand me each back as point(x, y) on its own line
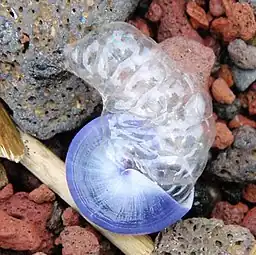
point(133, 170)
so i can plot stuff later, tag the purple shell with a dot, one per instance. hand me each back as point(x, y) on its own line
point(124, 202)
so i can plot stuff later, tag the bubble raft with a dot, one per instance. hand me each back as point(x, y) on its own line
point(156, 137)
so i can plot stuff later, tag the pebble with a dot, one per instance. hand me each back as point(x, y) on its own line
point(30, 213)
point(230, 214)
point(196, 12)
point(226, 74)
point(41, 195)
point(243, 55)
point(249, 193)
point(190, 56)
point(212, 43)
point(54, 224)
point(240, 120)
point(3, 177)
point(224, 137)
point(77, 240)
point(17, 234)
point(245, 138)
point(70, 217)
point(216, 8)
point(203, 236)
point(234, 165)
point(250, 221)
point(221, 92)
point(243, 78)
point(251, 97)
point(6, 192)
point(173, 20)
point(227, 111)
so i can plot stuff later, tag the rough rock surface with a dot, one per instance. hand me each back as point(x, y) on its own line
point(190, 56)
point(226, 74)
point(79, 241)
point(20, 207)
point(245, 138)
point(216, 8)
point(227, 111)
point(173, 20)
point(224, 137)
point(6, 192)
point(243, 78)
point(70, 217)
point(234, 165)
point(41, 194)
point(203, 236)
point(251, 100)
point(17, 234)
point(230, 214)
point(3, 177)
point(249, 193)
point(54, 224)
point(250, 221)
point(44, 97)
point(240, 120)
point(243, 55)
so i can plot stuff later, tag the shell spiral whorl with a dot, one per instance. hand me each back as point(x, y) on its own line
point(152, 139)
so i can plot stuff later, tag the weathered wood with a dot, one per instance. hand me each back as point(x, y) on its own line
point(47, 167)
point(11, 146)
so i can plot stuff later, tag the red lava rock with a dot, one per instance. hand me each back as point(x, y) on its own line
point(240, 22)
point(224, 137)
point(41, 194)
point(221, 92)
point(78, 241)
point(230, 214)
point(249, 221)
point(198, 14)
point(253, 86)
point(190, 56)
point(243, 100)
point(216, 8)
point(194, 23)
point(225, 28)
point(17, 234)
point(19, 206)
point(142, 25)
point(173, 19)
point(70, 217)
point(209, 17)
point(251, 97)
point(240, 120)
point(226, 74)
point(6, 192)
point(249, 193)
point(213, 44)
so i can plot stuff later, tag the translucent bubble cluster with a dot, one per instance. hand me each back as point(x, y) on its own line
point(160, 119)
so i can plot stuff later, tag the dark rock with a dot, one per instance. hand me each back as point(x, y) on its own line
point(44, 97)
point(20, 177)
point(234, 165)
point(54, 224)
point(203, 236)
point(243, 55)
point(11, 252)
point(206, 196)
point(245, 138)
point(231, 192)
point(227, 111)
point(243, 78)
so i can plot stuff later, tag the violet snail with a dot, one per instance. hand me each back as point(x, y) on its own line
point(133, 169)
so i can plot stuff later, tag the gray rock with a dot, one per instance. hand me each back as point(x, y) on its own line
point(245, 138)
point(203, 236)
point(227, 111)
point(234, 165)
point(243, 55)
point(243, 78)
point(44, 97)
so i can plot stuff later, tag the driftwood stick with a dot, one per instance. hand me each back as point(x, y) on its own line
point(11, 146)
point(47, 167)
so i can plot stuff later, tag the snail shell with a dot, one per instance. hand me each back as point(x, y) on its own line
point(132, 170)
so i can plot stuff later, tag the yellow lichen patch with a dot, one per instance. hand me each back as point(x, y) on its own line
point(11, 145)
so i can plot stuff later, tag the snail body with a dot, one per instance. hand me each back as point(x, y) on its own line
point(133, 170)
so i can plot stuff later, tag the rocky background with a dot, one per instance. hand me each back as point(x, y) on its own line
point(52, 104)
